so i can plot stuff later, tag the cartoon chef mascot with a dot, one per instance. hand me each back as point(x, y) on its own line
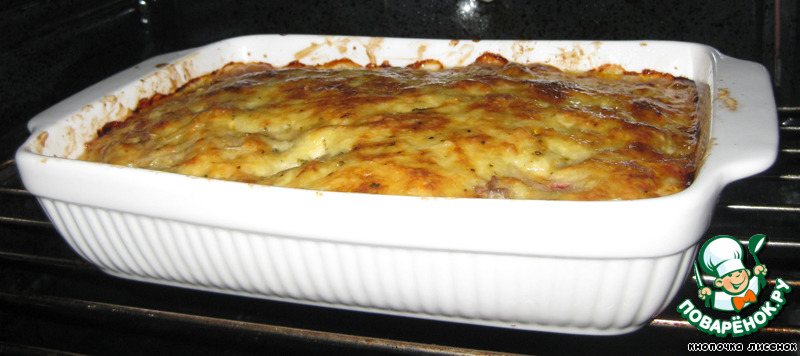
point(722, 257)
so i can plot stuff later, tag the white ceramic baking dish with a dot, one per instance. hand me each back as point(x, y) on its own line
point(575, 267)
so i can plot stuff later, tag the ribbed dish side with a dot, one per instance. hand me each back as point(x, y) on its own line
point(599, 294)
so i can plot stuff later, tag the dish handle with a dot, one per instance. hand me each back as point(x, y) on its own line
point(744, 126)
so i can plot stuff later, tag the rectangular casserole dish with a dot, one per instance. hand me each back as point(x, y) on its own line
point(587, 267)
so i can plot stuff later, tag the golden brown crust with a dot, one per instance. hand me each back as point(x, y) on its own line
point(493, 129)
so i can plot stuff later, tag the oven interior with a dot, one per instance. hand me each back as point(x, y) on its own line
point(52, 301)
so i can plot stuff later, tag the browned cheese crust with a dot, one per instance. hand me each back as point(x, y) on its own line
point(492, 129)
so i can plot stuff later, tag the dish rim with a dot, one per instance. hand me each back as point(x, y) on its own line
point(725, 167)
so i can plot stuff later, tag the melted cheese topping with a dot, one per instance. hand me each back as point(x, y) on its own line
point(491, 129)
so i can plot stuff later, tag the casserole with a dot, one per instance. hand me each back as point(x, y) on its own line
point(492, 129)
point(481, 261)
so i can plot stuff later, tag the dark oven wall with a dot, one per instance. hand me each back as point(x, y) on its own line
point(49, 50)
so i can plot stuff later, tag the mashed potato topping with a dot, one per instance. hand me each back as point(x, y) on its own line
point(492, 129)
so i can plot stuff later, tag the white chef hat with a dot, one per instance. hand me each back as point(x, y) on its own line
point(721, 255)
